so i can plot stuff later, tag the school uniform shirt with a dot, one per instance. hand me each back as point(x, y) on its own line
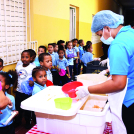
point(70, 61)
point(20, 63)
point(62, 63)
point(81, 51)
point(49, 75)
point(37, 88)
point(87, 57)
point(54, 57)
point(121, 59)
point(6, 113)
point(75, 49)
point(24, 73)
point(36, 61)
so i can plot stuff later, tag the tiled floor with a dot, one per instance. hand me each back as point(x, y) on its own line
point(21, 129)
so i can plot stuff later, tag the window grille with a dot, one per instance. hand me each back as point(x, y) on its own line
point(13, 30)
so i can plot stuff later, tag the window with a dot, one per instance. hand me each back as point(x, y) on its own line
point(72, 23)
point(13, 30)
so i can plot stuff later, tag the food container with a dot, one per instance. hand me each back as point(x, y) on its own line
point(63, 103)
point(91, 79)
point(85, 121)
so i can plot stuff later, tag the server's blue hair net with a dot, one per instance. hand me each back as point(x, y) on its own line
point(106, 18)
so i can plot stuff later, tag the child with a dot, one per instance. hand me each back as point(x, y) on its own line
point(55, 47)
point(76, 53)
point(87, 56)
point(54, 57)
point(69, 56)
point(24, 72)
point(81, 52)
point(1, 65)
point(61, 43)
point(32, 56)
point(40, 77)
point(62, 63)
point(6, 79)
point(41, 49)
point(45, 60)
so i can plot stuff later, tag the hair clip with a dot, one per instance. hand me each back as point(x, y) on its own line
point(10, 75)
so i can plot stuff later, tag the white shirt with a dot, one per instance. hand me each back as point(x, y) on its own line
point(24, 73)
point(49, 75)
point(20, 63)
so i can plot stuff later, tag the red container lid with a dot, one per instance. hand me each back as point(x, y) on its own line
point(49, 83)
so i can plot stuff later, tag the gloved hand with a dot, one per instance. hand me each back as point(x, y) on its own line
point(103, 62)
point(81, 91)
point(103, 72)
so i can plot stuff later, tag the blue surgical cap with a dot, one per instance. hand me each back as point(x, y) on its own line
point(106, 18)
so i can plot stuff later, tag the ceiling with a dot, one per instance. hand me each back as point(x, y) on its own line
point(127, 3)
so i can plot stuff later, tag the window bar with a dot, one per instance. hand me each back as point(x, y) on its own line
point(11, 35)
point(19, 30)
point(15, 32)
point(26, 19)
point(6, 31)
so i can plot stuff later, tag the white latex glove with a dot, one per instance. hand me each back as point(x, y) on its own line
point(103, 72)
point(103, 62)
point(81, 91)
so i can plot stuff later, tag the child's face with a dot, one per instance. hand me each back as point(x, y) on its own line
point(1, 66)
point(3, 84)
point(63, 44)
point(61, 53)
point(69, 45)
point(25, 58)
point(56, 48)
point(47, 62)
point(90, 49)
point(50, 49)
point(40, 51)
point(75, 43)
point(41, 77)
point(82, 44)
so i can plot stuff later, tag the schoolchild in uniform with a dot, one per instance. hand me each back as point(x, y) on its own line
point(70, 56)
point(41, 49)
point(40, 77)
point(24, 72)
point(81, 52)
point(76, 53)
point(62, 64)
point(54, 57)
point(87, 56)
point(7, 79)
point(45, 60)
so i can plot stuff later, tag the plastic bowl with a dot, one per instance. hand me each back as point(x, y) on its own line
point(49, 83)
point(71, 86)
point(63, 103)
point(72, 93)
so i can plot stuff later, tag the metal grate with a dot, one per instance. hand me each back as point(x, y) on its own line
point(13, 30)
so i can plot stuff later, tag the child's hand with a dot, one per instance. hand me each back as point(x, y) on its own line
point(59, 69)
point(76, 61)
point(31, 83)
point(9, 102)
point(69, 76)
point(0, 112)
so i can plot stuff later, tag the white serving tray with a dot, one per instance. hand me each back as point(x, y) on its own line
point(43, 102)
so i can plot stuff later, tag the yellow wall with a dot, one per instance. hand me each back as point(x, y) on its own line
point(50, 20)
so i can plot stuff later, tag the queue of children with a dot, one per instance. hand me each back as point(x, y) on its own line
point(59, 65)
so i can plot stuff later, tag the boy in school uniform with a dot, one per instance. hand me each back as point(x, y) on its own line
point(54, 58)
